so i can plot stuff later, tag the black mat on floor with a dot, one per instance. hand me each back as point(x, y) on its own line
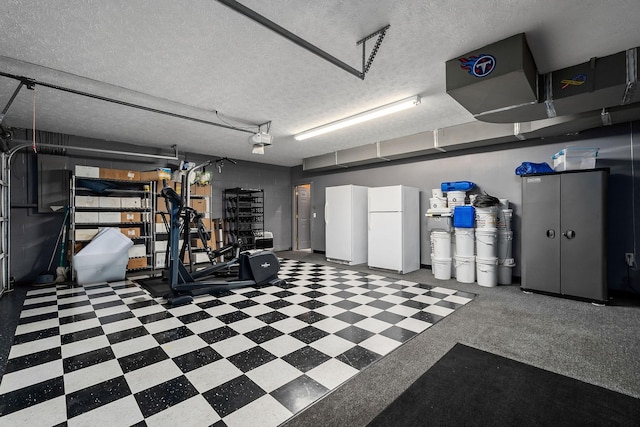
point(472, 387)
point(156, 286)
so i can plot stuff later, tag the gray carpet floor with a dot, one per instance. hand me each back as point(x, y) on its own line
point(596, 344)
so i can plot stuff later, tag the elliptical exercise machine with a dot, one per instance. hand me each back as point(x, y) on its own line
point(254, 269)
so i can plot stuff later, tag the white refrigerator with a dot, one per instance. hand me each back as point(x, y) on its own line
point(394, 228)
point(345, 219)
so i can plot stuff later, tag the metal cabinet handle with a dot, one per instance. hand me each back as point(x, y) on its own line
point(551, 234)
point(569, 234)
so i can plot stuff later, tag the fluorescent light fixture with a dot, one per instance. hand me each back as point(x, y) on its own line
point(359, 118)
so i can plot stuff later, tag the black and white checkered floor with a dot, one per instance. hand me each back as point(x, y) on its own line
point(110, 354)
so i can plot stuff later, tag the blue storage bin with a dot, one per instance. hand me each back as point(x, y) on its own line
point(464, 216)
point(457, 186)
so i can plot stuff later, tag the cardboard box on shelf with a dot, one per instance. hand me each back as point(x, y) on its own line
point(106, 173)
point(200, 205)
point(131, 232)
point(161, 228)
point(137, 251)
point(156, 175)
point(161, 205)
point(86, 217)
point(200, 190)
point(160, 258)
point(207, 223)
point(161, 245)
point(87, 201)
point(196, 243)
point(130, 217)
point(109, 202)
point(87, 171)
point(109, 217)
point(119, 174)
point(85, 233)
point(198, 257)
point(130, 202)
point(136, 263)
point(129, 175)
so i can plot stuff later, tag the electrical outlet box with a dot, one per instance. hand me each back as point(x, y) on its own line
point(630, 259)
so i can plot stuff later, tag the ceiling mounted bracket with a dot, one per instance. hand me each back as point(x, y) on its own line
point(251, 14)
point(380, 33)
point(548, 96)
point(13, 98)
point(632, 76)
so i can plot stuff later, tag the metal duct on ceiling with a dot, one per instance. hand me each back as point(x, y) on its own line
point(499, 83)
point(468, 135)
point(514, 104)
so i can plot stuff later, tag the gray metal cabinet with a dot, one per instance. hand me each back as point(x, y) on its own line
point(564, 233)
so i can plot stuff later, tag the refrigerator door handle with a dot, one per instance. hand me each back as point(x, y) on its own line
point(326, 219)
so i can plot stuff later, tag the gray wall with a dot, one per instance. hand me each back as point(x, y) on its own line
point(33, 234)
point(492, 169)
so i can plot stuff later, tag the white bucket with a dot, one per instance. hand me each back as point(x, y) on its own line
point(437, 203)
point(486, 271)
point(465, 267)
point(441, 268)
point(456, 198)
point(505, 270)
point(436, 192)
point(505, 244)
point(464, 241)
point(453, 252)
point(503, 221)
point(486, 243)
point(440, 244)
point(486, 218)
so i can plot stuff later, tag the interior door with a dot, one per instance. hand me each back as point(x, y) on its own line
point(303, 197)
point(541, 233)
point(583, 238)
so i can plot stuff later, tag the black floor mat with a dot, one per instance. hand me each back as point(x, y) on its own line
point(472, 387)
point(156, 286)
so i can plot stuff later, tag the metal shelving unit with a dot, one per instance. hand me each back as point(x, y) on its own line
point(142, 216)
point(244, 215)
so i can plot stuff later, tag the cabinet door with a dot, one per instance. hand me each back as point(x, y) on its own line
point(541, 233)
point(583, 235)
point(337, 218)
point(385, 240)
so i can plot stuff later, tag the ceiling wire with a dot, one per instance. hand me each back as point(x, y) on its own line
point(229, 124)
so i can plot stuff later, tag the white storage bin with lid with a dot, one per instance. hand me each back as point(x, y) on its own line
point(572, 158)
point(104, 259)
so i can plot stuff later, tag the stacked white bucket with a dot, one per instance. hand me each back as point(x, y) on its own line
point(505, 243)
point(440, 242)
point(487, 246)
point(464, 260)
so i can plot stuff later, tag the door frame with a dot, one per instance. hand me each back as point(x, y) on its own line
point(294, 215)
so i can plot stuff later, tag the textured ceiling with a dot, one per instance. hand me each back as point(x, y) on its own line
point(197, 57)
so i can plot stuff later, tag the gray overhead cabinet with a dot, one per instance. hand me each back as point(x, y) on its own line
point(564, 236)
